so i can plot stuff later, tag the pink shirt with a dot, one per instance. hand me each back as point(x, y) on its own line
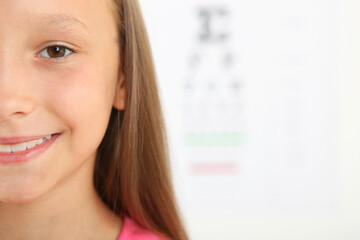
point(133, 231)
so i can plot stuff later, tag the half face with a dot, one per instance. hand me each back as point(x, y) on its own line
point(58, 76)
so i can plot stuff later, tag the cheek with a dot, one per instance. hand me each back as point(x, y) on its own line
point(81, 98)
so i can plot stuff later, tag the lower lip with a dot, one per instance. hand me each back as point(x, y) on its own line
point(24, 156)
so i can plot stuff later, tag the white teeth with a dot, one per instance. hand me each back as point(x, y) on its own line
point(23, 146)
point(18, 147)
point(31, 144)
point(42, 140)
point(39, 141)
point(5, 148)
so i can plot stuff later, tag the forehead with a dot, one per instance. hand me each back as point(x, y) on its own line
point(81, 14)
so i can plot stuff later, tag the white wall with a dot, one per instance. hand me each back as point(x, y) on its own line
point(263, 116)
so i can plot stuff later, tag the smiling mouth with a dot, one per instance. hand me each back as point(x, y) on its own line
point(23, 146)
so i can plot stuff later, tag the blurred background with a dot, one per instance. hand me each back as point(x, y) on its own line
point(261, 99)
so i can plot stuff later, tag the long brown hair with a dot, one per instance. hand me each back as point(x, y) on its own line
point(132, 172)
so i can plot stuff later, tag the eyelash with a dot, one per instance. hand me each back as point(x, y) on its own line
point(68, 51)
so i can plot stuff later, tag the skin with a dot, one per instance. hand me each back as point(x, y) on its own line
point(52, 196)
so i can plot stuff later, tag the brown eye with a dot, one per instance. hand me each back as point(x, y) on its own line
point(55, 52)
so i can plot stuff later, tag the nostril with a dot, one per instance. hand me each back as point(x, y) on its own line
point(13, 116)
point(18, 115)
point(14, 106)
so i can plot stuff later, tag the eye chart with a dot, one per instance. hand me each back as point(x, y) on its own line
point(250, 99)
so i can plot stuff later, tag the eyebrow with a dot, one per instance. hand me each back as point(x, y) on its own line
point(63, 20)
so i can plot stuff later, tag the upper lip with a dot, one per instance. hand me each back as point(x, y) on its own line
point(20, 139)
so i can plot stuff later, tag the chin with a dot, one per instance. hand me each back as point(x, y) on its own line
point(17, 199)
point(15, 193)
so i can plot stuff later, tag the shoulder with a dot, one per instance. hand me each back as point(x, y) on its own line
point(133, 231)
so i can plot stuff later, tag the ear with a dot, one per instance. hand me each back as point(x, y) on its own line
point(120, 94)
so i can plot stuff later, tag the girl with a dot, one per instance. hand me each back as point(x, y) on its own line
point(82, 143)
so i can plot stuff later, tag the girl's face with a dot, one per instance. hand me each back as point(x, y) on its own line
point(59, 64)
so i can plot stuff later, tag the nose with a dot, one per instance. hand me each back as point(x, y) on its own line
point(15, 96)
